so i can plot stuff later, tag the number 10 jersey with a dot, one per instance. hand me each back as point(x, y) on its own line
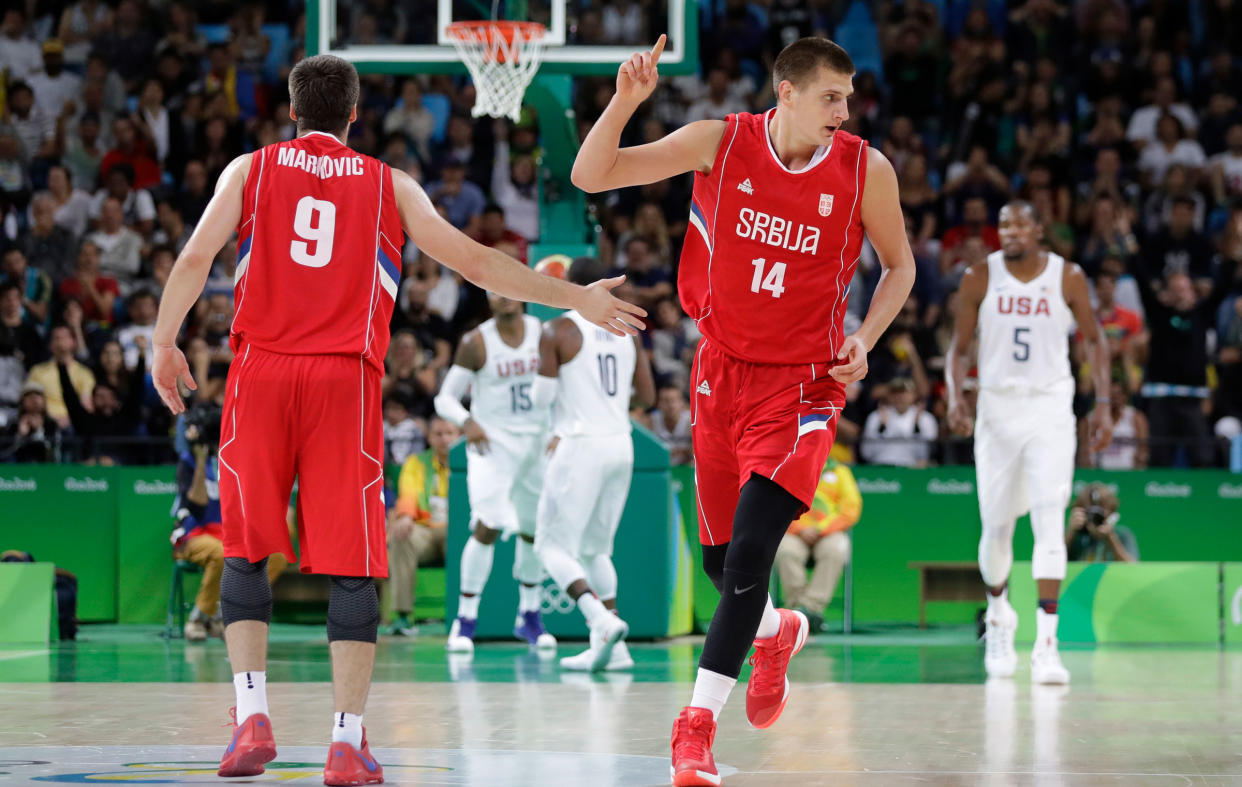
point(318, 252)
point(770, 251)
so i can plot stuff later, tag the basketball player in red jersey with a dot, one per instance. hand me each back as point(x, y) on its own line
point(319, 250)
point(781, 201)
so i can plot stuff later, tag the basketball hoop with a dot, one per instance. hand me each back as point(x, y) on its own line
point(502, 57)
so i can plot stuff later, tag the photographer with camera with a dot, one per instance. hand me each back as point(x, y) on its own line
point(198, 535)
point(1093, 535)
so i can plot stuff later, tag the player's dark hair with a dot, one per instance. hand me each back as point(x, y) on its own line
point(585, 270)
point(803, 57)
point(1184, 200)
point(323, 91)
point(493, 207)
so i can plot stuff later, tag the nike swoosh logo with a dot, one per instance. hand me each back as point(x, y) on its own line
point(740, 591)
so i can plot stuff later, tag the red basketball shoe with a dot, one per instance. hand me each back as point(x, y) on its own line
point(350, 766)
point(253, 745)
point(693, 764)
point(768, 688)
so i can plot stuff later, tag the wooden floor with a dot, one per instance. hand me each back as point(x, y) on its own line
point(870, 710)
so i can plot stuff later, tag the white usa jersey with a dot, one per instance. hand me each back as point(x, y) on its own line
point(1024, 331)
point(594, 392)
point(500, 394)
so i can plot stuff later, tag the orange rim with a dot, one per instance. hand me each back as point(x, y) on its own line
point(509, 30)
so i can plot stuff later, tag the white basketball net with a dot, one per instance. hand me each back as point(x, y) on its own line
point(502, 62)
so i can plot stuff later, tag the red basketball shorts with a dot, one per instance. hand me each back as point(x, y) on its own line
point(777, 421)
point(315, 418)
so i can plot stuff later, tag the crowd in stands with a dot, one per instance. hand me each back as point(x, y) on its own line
point(1119, 121)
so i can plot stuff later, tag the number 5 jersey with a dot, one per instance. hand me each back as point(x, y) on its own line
point(318, 251)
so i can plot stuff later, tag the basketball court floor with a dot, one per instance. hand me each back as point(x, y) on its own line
point(123, 705)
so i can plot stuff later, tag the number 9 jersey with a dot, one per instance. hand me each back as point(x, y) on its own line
point(318, 252)
point(770, 251)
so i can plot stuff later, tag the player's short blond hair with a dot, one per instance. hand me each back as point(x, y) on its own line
point(804, 57)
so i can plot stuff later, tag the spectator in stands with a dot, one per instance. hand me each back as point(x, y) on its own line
point(1143, 123)
point(172, 230)
point(160, 126)
point(1130, 448)
point(912, 71)
point(19, 56)
point(975, 177)
point(195, 191)
point(974, 224)
point(674, 337)
point(899, 432)
point(1170, 146)
point(1110, 236)
point(111, 369)
point(198, 536)
point(62, 347)
point(36, 285)
point(462, 145)
point(130, 45)
point(402, 434)
point(514, 186)
point(820, 536)
point(417, 524)
point(181, 35)
point(920, 202)
point(120, 248)
point(131, 149)
point(1058, 234)
point(19, 335)
point(1179, 249)
point(48, 246)
point(1108, 179)
point(432, 331)
point(110, 418)
point(83, 155)
point(137, 206)
point(81, 23)
point(95, 293)
point(142, 307)
point(718, 102)
point(1158, 207)
point(55, 89)
point(14, 175)
point(647, 282)
point(1093, 534)
point(71, 206)
point(33, 436)
point(1225, 169)
point(494, 233)
point(35, 130)
point(408, 376)
point(162, 259)
point(671, 423)
point(411, 119)
point(463, 200)
point(1178, 318)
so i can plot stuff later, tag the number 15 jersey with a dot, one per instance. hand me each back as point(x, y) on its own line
point(770, 251)
point(318, 252)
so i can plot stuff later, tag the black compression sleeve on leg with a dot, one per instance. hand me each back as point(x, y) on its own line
point(713, 563)
point(245, 592)
point(764, 511)
point(353, 609)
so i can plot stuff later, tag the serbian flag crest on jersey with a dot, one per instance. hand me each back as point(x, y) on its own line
point(825, 204)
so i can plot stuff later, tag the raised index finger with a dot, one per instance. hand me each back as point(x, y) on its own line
point(658, 49)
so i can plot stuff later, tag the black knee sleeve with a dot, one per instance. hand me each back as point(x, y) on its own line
point(764, 511)
point(245, 592)
point(353, 609)
point(713, 563)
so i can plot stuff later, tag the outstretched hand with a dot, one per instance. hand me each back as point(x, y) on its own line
point(169, 368)
point(637, 77)
point(600, 306)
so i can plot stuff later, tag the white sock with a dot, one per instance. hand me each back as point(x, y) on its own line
point(1003, 598)
point(347, 727)
point(251, 689)
point(1045, 627)
point(529, 598)
point(770, 623)
point(476, 565)
point(711, 691)
point(591, 607)
point(468, 607)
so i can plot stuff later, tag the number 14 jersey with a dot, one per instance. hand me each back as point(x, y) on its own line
point(770, 251)
point(318, 251)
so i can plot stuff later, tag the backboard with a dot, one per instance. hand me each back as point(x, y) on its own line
point(584, 36)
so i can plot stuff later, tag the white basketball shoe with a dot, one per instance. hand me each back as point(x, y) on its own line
point(1046, 666)
point(1001, 625)
point(585, 661)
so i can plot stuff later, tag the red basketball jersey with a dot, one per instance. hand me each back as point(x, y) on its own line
point(770, 252)
point(318, 251)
